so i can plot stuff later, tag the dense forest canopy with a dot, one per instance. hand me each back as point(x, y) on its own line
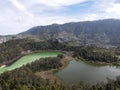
point(13, 48)
point(24, 78)
point(96, 54)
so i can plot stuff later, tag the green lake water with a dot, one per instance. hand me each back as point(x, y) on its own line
point(77, 71)
point(28, 59)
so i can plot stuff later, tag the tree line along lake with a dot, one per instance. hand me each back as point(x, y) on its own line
point(28, 59)
point(74, 72)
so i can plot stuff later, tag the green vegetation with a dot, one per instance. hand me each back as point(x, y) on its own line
point(103, 33)
point(24, 78)
point(13, 48)
point(96, 55)
point(28, 59)
point(44, 64)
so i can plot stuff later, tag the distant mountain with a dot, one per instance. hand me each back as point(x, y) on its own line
point(10, 37)
point(103, 33)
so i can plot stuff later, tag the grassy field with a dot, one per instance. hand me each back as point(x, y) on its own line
point(28, 59)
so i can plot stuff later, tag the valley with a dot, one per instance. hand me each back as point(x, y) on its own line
point(57, 57)
point(59, 44)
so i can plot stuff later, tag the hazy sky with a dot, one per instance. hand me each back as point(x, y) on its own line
point(20, 15)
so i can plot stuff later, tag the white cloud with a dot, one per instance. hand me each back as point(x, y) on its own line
point(90, 17)
point(59, 3)
point(104, 9)
point(19, 15)
point(115, 8)
point(20, 7)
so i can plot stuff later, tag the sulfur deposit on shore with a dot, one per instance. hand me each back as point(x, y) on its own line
point(2, 66)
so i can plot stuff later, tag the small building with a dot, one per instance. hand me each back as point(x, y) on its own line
point(26, 52)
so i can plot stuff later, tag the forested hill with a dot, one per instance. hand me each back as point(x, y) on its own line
point(13, 48)
point(103, 33)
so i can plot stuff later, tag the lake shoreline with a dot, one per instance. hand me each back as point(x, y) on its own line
point(98, 62)
point(28, 58)
point(79, 68)
point(10, 62)
point(2, 66)
point(50, 74)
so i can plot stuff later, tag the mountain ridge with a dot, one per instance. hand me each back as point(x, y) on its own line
point(101, 33)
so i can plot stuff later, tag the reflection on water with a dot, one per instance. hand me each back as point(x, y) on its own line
point(78, 71)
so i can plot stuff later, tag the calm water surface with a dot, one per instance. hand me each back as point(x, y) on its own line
point(28, 59)
point(78, 71)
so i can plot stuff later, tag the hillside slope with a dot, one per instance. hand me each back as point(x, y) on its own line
point(103, 33)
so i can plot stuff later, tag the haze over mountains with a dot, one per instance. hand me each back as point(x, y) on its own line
point(102, 33)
